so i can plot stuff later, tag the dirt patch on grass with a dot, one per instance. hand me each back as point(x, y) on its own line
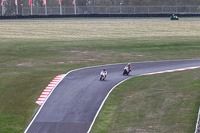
point(25, 64)
point(82, 52)
point(10, 73)
point(58, 63)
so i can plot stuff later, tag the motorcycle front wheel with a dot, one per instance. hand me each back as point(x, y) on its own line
point(124, 73)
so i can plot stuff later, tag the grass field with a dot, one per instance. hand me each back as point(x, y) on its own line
point(164, 103)
point(33, 53)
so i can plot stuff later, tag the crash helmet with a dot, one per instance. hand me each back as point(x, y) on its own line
point(129, 64)
point(104, 69)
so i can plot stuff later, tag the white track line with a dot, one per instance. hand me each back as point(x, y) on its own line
point(44, 103)
point(102, 102)
point(197, 123)
point(165, 71)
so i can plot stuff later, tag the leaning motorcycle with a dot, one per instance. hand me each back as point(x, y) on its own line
point(126, 71)
point(173, 17)
point(102, 76)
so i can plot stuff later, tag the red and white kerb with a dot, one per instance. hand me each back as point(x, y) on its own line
point(48, 89)
point(54, 82)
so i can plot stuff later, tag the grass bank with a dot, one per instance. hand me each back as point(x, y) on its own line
point(163, 103)
point(33, 53)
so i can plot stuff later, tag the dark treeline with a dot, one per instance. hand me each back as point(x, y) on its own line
point(10, 7)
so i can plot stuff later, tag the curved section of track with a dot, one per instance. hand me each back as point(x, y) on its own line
point(74, 103)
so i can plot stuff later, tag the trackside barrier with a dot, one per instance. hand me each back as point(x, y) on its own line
point(96, 16)
point(197, 130)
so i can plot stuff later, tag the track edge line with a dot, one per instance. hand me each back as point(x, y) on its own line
point(44, 103)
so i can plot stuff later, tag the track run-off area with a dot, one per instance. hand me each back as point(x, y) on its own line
point(74, 103)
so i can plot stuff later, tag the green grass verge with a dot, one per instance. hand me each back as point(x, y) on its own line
point(163, 103)
point(33, 53)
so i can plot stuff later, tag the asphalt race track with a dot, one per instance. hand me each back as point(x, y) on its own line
point(96, 19)
point(74, 103)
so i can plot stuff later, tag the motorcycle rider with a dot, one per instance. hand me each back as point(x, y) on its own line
point(129, 66)
point(173, 16)
point(127, 69)
point(104, 73)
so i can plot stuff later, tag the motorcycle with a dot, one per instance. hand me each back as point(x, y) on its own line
point(103, 76)
point(126, 70)
point(173, 17)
